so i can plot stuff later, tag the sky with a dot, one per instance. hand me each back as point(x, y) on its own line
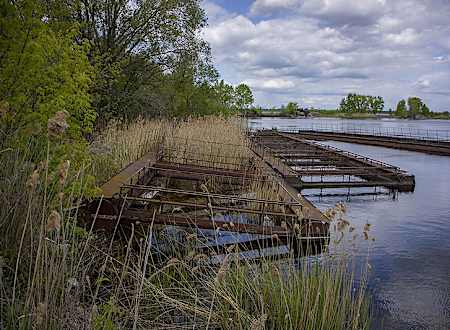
point(314, 52)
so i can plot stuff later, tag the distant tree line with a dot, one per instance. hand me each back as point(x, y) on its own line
point(355, 103)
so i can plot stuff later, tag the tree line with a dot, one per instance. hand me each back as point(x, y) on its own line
point(413, 107)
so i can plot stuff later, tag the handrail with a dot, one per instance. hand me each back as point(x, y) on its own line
point(432, 135)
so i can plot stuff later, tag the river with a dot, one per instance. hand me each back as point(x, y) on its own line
point(410, 257)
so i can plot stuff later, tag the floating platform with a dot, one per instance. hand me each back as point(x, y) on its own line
point(430, 142)
point(305, 164)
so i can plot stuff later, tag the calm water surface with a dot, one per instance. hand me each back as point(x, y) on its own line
point(410, 258)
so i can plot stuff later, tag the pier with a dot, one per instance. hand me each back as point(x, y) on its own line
point(436, 142)
point(306, 164)
point(230, 196)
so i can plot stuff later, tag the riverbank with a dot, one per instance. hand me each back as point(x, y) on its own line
point(64, 274)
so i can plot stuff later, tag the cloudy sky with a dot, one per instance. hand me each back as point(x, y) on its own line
point(316, 51)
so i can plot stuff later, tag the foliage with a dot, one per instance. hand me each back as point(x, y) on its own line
point(42, 71)
point(239, 98)
point(243, 97)
point(290, 109)
point(401, 110)
point(362, 103)
point(416, 108)
point(146, 54)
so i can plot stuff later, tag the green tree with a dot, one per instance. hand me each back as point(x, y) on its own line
point(243, 97)
point(42, 71)
point(225, 94)
point(135, 46)
point(291, 109)
point(425, 110)
point(414, 107)
point(401, 110)
point(361, 103)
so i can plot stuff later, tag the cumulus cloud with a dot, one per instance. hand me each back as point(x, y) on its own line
point(320, 50)
point(406, 37)
point(345, 12)
point(265, 7)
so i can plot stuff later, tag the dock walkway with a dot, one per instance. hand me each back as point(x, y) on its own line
point(436, 144)
point(306, 164)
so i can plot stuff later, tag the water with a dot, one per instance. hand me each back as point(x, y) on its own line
point(410, 257)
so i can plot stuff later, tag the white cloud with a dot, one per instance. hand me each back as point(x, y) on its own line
point(272, 84)
point(264, 7)
point(406, 37)
point(323, 49)
point(345, 12)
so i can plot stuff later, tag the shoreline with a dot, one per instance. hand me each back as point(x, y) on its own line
point(342, 117)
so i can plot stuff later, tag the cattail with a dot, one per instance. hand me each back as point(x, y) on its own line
point(367, 227)
point(41, 311)
point(231, 248)
point(54, 221)
point(200, 256)
point(62, 171)
point(366, 235)
point(191, 237)
point(222, 270)
point(57, 125)
point(172, 262)
point(33, 180)
point(260, 323)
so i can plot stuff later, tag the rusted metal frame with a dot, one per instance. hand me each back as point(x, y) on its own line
point(145, 217)
point(212, 163)
point(338, 172)
point(191, 175)
point(244, 159)
point(349, 184)
point(311, 156)
point(352, 155)
point(257, 243)
point(401, 138)
point(338, 151)
point(236, 198)
point(210, 142)
point(208, 170)
point(344, 158)
point(199, 177)
point(208, 206)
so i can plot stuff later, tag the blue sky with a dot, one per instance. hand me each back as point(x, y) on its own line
point(316, 51)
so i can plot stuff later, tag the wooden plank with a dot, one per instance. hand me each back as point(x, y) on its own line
point(112, 187)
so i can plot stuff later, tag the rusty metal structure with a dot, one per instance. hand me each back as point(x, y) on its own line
point(161, 190)
point(436, 142)
point(306, 164)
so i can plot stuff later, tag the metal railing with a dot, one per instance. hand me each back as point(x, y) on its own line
point(433, 135)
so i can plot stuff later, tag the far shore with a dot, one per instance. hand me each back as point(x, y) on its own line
point(335, 114)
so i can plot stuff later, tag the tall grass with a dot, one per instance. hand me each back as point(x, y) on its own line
point(55, 274)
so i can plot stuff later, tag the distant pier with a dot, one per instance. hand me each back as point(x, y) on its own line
point(436, 142)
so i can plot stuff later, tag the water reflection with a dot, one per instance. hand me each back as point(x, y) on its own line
point(410, 257)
